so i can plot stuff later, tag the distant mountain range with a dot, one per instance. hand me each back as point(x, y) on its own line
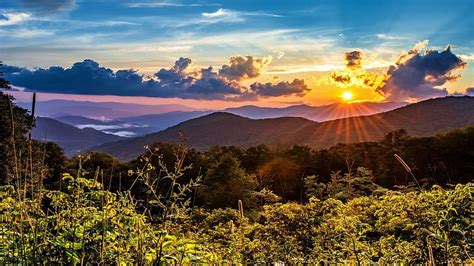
point(119, 127)
point(72, 139)
point(419, 119)
point(135, 125)
point(100, 110)
point(132, 126)
point(316, 113)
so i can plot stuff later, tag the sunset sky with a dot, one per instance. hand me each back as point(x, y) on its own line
point(268, 53)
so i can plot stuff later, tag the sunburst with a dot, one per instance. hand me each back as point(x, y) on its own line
point(347, 96)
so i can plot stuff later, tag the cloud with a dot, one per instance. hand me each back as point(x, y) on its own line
point(237, 15)
point(413, 51)
point(419, 76)
point(162, 48)
point(387, 37)
point(280, 54)
point(26, 33)
point(11, 69)
point(48, 6)
point(244, 67)
point(85, 77)
point(159, 4)
point(470, 91)
point(284, 88)
point(89, 78)
point(413, 76)
point(11, 18)
point(211, 83)
point(354, 59)
point(467, 57)
point(354, 74)
point(221, 15)
point(204, 83)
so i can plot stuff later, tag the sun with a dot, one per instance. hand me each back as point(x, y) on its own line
point(347, 96)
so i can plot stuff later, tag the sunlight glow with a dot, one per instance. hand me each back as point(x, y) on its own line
point(347, 96)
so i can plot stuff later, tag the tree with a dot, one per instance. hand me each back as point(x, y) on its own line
point(226, 182)
point(4, 84)
point(15, 122)
point(281, 175)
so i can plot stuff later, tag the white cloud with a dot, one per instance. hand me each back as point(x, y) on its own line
point(219, 13)
point(323, 67)
point(467, 57)
point(383, 36)
point(227, 13)
point(163, 48)
point(222, 15)
point(8, 19)
point(26, 33)
point(158, 4)
point(280, 54)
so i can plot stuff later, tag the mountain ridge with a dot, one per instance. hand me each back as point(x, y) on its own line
point(72, 139)
point(419, 119)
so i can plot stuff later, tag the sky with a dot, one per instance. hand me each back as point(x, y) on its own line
point(215, 54)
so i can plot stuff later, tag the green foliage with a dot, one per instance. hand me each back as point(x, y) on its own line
point(85, 224)
point(393, 228)
point(15, 122)
point(226, 182)
point(343, 186)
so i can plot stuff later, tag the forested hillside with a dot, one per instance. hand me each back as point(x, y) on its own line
point(420, 119)
point(72, 139)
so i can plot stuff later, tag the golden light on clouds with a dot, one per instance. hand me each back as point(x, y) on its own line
point(354, 75)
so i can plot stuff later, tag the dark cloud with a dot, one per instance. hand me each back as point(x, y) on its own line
point(244, 67)
point(89, 78)
point(354, 59)
point(182, 64)
point(85, 77)
point(204, 83)
point(418, 76)
point(296, 87)
point(340, 77)
point(175, 80)
point(211, 82)
point(6, 69)
point(470, 91)
point(48, 6)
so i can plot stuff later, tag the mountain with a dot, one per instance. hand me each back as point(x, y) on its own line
point(119, 127)
point(99, 110)
point(81, 120)
point(70, 138)
point(316, 113)
point(132, 120)
point(163, 121)
point(134, 125)
point(419, 119)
